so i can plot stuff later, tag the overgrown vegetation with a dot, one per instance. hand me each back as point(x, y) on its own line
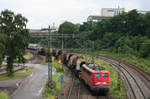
point(140, 62)
point(22, 73)
point(4, 95)
point(117, 90)
point(128, 33)
point(48, 92)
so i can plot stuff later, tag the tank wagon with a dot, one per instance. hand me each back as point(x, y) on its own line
point(42, 51)
point(53, 52)
point(68, 56)
point(70, 61)
point(77, 63)
point(58, 53)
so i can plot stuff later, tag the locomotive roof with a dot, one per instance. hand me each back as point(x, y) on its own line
point(95, 67)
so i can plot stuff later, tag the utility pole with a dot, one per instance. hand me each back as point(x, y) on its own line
point(62, 47)
point(119, 55)
point(49, 60)
point(119, 63)
point(50, 75)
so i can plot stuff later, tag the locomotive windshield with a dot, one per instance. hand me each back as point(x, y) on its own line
point(105, 75)
point(97, 75)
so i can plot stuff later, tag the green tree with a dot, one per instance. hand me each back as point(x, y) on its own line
point(17, 35)
point(147, 24)
point(2, 46)
point(85, 27)
point(100, 29)
point(109, 39)
point(145, 48)
point(85, 30)
point(125, 43)
point(68, 28)
point(135, 23)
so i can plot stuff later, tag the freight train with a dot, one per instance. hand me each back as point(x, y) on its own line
point(42, 51)
point(93, 75)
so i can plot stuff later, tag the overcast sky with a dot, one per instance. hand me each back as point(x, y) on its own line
point(41, 13)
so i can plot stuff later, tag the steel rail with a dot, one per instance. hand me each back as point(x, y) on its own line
point(71, 88)
point(116, 65)
point(79, 90)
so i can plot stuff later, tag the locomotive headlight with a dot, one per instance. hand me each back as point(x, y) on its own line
point(97, 83)
point(104, 82)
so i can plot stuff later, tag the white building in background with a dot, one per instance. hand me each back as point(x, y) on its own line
point(106, 13)
point(110, 12)
point(96, 18)
point(142, 11)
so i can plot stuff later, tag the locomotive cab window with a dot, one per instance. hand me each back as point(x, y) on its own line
point(97, 75)
point(105, 75)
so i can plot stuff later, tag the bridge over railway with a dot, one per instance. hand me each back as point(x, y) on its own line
point(39, 33)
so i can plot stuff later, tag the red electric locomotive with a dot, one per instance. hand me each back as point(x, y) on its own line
point(95, 77)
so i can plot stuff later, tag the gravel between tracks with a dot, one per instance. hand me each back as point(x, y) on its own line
point(74, 91)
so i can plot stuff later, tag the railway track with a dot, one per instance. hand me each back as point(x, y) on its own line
point(33, 53)
point(36, 59)
point(75, 88)
point(144, 76)
point(135, 87)
point(87, 94)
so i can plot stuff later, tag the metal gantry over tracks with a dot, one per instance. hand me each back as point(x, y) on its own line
point(49, 33)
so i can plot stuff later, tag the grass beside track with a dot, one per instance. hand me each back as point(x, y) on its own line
point(21, 73)
point(4, 95)
point(50, 93)
point(117, 90)
point(140, 62)
point(44, 62)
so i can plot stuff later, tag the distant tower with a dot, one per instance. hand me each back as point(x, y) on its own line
point(118, 11)
point(53, 25)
